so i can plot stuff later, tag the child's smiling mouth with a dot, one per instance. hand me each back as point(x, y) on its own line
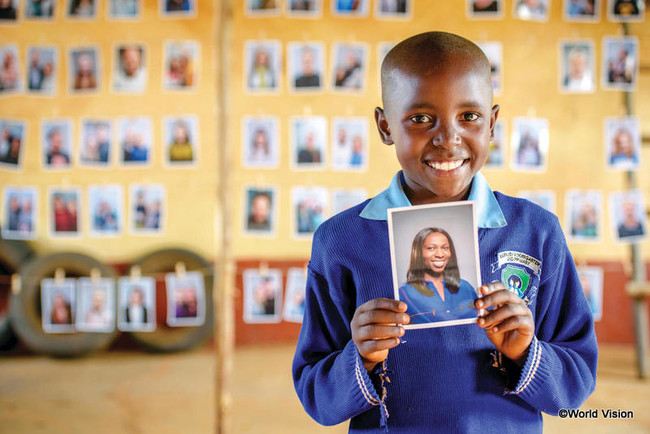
point(445, 166)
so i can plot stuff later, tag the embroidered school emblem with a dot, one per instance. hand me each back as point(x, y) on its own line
point(518, 272)
point(515, 279)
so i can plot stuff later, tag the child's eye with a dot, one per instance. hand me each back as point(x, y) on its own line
point(471, 116)
point(420, 119)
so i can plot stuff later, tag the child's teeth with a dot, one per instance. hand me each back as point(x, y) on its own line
point(446, 165)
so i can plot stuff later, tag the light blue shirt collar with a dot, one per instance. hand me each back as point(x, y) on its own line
point(488, 211)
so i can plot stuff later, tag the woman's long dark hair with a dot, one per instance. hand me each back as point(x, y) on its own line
point(417, 267)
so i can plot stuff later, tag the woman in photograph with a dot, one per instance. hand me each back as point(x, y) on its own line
point(260, 149)
point(61, 312)
point(434, 290)
point(261, 74)
point(181, 148)
point(85, 77)
point(623, 149)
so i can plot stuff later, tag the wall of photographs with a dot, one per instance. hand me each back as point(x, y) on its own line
point(107, 120)
point(305, 80)
point(109, 141)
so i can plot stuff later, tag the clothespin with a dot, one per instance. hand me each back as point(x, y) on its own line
point(95, 274)
point(264, 269)
point(180, 269)
point(59, 275)
point(135, 272)
point(16, 283)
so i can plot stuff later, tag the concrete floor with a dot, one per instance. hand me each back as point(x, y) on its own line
point(134, 393)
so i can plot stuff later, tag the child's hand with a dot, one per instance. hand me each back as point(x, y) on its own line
point(375, 330)
point(509, 325)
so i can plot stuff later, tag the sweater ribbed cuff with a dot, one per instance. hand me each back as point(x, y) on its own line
point(533, 371)
point(366, 389)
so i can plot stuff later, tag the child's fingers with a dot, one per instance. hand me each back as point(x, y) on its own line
point(520, 323)
point(502, 313)
point(498, 298)
point(383, 304)
point(379, 316)
point(374, 331)
point(369, 347)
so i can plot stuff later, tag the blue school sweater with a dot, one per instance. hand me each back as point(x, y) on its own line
point(448, 379)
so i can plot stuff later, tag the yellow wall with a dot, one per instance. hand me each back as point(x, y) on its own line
point(191, 192)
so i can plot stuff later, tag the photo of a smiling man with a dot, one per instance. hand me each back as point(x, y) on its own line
point(435, 266)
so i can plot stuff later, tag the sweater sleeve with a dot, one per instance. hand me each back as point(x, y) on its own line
point(560, 370)
point(328, 372)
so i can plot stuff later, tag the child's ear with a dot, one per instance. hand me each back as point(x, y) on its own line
point(382, 126)
point(493, 118)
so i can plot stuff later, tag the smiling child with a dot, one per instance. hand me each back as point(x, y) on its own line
point(535, 349)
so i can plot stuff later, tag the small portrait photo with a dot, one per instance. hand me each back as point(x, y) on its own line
point(185, 299)
point(181, 139)
point(434, 256)
point(178, 8)
point(56, 143)
point(81, 9)
point(497, 156)
point(531, 10)
point(8, 11)
point(349, 64)
point(584, 215)
point(58, 303)
point(485, 9)
point(105, 210)
point(136, 304)
point(620, 63)
point(12, 138)
point(304, 8)
point(63, 211)
point(529, 144)
point(147, 208)
point(494, 52)
point(260, 211)
point(260, 142)
point(10, 76)
point(124, 9)
point(350, 8)
point(343, 199)
point(308, 142)
point(262, 295)
point(39, 9)
point(310, 206)
point(129, 68)
point(95, 305)
point(543, 198)
point(96, 142)
point(350, 143)
point(623, 143)
point(83, 70)
point(20, 211)
point(41, 70)
point(262, 66)
point(181, 65)
point(577, 66)
point(306, 66)
point(582, 10)
point(627, 212)
point(591, 279)
point(135, 138)
point(262, 8)
point(628, 11)
point(393, 9)
point(294, 300)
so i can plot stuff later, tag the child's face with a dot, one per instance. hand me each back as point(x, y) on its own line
point(440, 119)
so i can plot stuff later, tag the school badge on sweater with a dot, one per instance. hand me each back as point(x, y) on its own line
point(519, 273)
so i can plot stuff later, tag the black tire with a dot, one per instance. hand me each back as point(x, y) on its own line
point(167, 339)
point(25, 306)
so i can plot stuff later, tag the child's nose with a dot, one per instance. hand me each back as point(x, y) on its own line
point(446, 136)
